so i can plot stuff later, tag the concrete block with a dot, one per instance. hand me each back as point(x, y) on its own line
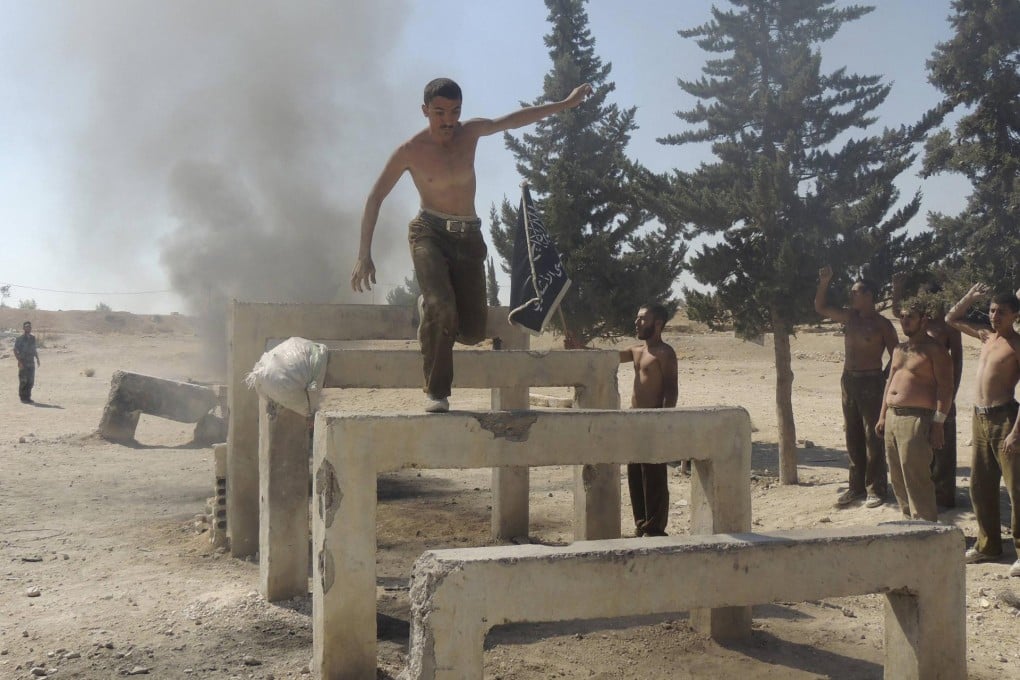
point(218, 525)
point(133, 393)
point(350, 450)
point(457, 595)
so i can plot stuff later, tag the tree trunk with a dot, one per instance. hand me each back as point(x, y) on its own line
point(784, 401)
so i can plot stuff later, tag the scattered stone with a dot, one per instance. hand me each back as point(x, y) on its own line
point(72, 655)
point(849, 613)
point(38, 671)
point(250, 660)
point(31, 558)
point(33, 591)
point(137, 670)
point(825, 520)
point(985, 603)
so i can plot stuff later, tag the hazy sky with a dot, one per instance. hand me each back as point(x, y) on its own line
point(225, 148)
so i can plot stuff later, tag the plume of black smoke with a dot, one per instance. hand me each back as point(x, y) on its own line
point(241, 136)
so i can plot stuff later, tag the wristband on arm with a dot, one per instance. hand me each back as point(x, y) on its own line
point(940, 417)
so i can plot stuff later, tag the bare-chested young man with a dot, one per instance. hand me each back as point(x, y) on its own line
point(943, 463)
point(918, 398)
point(446, 242)
point(996, 428)
point(656, 385)
point(869, 335)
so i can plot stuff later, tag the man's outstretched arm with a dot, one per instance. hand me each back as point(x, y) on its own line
point(528, 115)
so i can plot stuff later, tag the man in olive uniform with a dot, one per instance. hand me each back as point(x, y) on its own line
point(28, 358)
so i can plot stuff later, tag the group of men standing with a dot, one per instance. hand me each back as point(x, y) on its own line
point(901, 417)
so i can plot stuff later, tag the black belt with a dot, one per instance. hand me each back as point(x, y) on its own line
point(911, 410)
point(986, 410)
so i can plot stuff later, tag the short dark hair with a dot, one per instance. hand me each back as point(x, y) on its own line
point(659, 312)
point(868, 285)
point(443, 87)
point(27, 323)
point(1008, 299)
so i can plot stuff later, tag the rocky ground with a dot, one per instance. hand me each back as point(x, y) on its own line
point(106, 569)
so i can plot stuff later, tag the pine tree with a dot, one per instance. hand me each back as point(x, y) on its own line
point(405, 295)
point(491, 285)
point(586, 190)
point(786, 194)
point(978, 70)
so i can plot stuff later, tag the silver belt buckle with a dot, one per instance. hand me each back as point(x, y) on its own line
point(458, 226)
point(983, 410)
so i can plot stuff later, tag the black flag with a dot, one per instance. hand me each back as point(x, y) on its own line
point(538, 280)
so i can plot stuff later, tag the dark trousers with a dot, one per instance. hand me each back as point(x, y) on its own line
point(862, 404)
point(450, 267)
point(649, 497)
point(26, 381)
point(943, 466)
point(990, 464)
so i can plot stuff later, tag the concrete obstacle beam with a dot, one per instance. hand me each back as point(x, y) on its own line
point(283, 447)
point(457, 595)
point(351, 450)
point(132, 394)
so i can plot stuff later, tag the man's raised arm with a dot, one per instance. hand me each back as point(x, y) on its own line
point(822, 305)
point(955, 316)
point(529, 114)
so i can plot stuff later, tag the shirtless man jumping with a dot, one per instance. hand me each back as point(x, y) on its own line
point(996, 427)
point(445, 238)
point(869, 335)
point(918, 398)
point(656, 385)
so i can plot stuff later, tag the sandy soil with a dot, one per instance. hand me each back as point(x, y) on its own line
point(128, 583)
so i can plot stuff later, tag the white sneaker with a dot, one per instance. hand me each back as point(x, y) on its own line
point(436, 405)
point(1015, 569)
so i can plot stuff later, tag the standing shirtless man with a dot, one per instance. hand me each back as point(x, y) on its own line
point(943, 463)
point(996, 428)
point(918, 398)
point(869, 335)
point(656, 385)
point(446, 241)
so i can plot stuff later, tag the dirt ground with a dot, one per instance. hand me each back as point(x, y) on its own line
point(107, 569)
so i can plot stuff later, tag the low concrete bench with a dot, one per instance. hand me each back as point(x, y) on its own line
point(350, 451)
point(283, 447)
point(458, 595)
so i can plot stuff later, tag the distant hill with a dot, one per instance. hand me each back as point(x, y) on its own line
point(82, 321)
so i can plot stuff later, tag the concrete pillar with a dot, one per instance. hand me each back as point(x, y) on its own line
point(344, 553)
point(723, 477)
point(283, 502)
point(510, 485)
point(459, 646)
point(925, 630)
point(218, 525)
point(597, 487)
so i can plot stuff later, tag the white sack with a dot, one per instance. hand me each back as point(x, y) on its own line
point(291, 374)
